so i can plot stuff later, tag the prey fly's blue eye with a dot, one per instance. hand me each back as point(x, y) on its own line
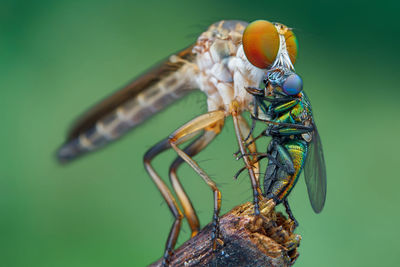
point(292, 85)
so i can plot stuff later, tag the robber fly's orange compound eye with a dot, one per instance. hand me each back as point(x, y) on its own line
point(261, 43)
point(291, 45)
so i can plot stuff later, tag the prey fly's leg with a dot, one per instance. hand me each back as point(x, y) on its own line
point(253, 121)
point(278, 158)
point(276, 130)
point(295, 153)
point(259, 157)
point(289, 212)
point(270, 172)
point(237, 153)
point(212, 120)
point(195, 147)
point(280, 164)
point(273, 177)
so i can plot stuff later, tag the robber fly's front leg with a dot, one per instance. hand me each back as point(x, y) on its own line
point(257, 193)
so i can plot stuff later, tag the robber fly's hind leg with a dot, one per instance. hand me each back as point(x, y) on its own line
point(191, 150)
point(212, 121)
point(169, 198)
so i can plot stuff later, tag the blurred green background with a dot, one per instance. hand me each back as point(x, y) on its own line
point(57, 58)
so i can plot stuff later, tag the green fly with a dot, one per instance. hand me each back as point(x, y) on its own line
point(295, 145)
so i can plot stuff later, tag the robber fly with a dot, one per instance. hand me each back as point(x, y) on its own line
point(218, 65)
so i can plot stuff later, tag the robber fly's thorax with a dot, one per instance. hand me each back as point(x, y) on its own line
point(223, 70)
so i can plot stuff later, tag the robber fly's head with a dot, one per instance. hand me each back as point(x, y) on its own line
point(273, 47)
point(270, 45)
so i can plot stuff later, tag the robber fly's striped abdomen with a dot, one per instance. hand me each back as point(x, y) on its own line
point(129, 107)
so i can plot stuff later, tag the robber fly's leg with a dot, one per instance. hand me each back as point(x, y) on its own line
point(289, 212)
point(211, 121)
point(257, 194)
point(166, 193)
point(251, 146)
point(195, 147)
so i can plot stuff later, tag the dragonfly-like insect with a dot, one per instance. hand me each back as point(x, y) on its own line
point(218, 65)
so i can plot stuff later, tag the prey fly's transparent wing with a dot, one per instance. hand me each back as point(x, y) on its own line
point(315, 173)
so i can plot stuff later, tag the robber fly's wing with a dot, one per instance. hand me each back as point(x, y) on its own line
point(137, 101)
point(315, 173)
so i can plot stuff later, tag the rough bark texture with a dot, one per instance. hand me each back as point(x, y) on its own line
point(245, 240)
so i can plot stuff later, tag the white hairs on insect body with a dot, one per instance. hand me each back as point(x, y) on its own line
point(282, 58)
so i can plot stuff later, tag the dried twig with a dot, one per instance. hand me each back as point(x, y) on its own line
point(245, 240)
